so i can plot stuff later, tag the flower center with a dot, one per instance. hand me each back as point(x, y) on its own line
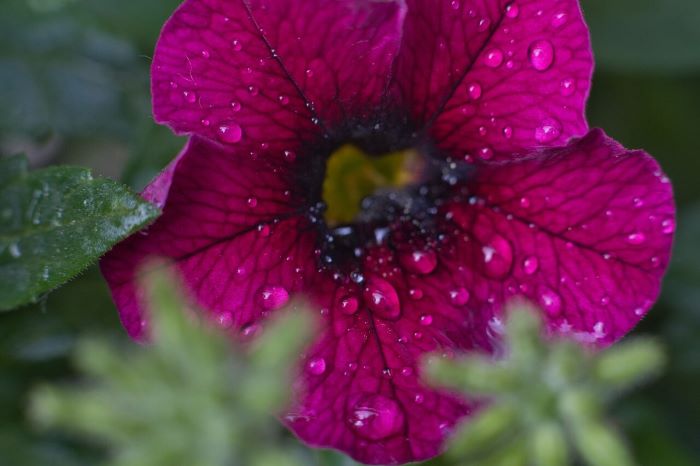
point(353, 178)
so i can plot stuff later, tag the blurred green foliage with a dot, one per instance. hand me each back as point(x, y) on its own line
point(188, 398)
point(75, 89)
point(547, 398)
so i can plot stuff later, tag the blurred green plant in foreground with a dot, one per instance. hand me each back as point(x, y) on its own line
point(188, 398)
point(547, 398)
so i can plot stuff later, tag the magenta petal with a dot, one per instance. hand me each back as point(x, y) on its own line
point(231, 230)
point(361, 390)
point(262, 75)
point(496, 77)
point(584, 231)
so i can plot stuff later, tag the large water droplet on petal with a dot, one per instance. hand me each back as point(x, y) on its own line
point(375, 417)
point(541, 55)
point(382, 299)
point(421, 262)
point(636, 238)
point(567, 87)
point(530, 265)
point(550, 301)
point(460, 296)
point(348, 305)
point(668, 226)
point(474, 91)
point(494, 58)
point(317, 366)
point(512, 11)
point(190, 96)
point(547, 131)
point(274, 297)
point(498, 256)
point(559, 19)
point(230, 133)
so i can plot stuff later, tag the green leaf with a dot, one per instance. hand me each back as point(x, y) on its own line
point(55, 222)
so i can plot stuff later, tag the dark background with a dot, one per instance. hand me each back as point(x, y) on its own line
point(74, 90)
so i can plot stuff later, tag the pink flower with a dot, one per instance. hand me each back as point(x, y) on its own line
point(515, 199)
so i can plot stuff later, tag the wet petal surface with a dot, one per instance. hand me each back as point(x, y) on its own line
point(264, 76)
point(496, 77)
point(232, 231)
point(584, 231)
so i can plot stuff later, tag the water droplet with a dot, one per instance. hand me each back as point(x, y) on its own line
point(567, 87)
point(274, 297)
point(237, 46)
point(636, 238)
point(15, 251)
point(189, 96)
point(317, 366)
point(474, 90)
point(235, 106)
point(252, 90)
point(382, 299)
point(547, 131)
point(512, 11)
point(407, 371)
point(494, 58)
point(605, 300)
point(229, 133)
point(541, 55)
point(418, 399)
point(668, 226)
point(426, 319)
point(375, 417)
point(252, 202)
point(455, 5)
point(349, 305)
point(205, 54)
point(530, 265)
point(483, 131)
point(524, 202)
point(486, 153)
point(550, 301)
point(415, 293)
point(264, 230)
point(498, 257)
point(284, 100)
point(559, 19)
point(225, 320)
point(508, 132)
point(421, 262)
point(484, 24)
point(459, 297)
point(249, 331)
point(290, 156)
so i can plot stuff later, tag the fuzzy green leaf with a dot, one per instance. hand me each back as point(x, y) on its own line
point(55, 222)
